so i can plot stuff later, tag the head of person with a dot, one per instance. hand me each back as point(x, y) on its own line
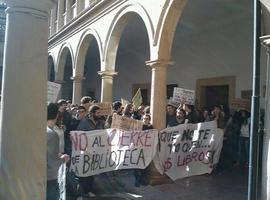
point(128, 110)
point(86, 102)
point(52, 112)
point(140, 110)
point(188, 108)
point(94, 112)
point(205, 113)
point(146, 119)
point(117, 107)
point(171, 110)
point(62, 103)
point(180, 113)
point(81, 112)
point(216, 110)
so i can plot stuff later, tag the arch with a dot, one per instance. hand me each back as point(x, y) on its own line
point(61, 60)
point(167, 24)
point(85, 41)
point(116, 28)
point(51, 68)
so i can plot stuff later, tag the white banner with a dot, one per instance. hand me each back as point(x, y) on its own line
point(53, 91)
point(95, 152)
point(184, 96)
point(62, 181)
point(188, 149)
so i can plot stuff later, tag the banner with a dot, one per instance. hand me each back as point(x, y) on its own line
point(53, 91)
point(241, 104)
point(95, 152)
point(137, 99)
point(187, 149)
point(62, 181)
point(105, 108)
point(126, 123)
point(184, 96)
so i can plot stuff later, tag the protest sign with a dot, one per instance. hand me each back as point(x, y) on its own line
point(124, 102)
point(53, 91)
point(240, 104)
point(187, 149)
point(126, 123)
point(105, 108)
point(184, 96)
point(137, 99)
point(95, 152)
point(62, 181)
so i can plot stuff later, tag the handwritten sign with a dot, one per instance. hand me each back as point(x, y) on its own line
point(105, 108)
point(125, 123)
point(184, 96)
point(53, 91)
point(187, 149)
point(241, 104)
point(95, 152)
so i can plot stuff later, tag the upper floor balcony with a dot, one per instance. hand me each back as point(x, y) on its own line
point(66, 11)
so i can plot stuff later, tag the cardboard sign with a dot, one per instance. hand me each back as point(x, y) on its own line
point(187, 149)
point(95, 152)
point(53, 91)
point(126, 123)
point(240, 104)
point(137, 99)
point(124, 102)
point(184, 96)
point(105, 108)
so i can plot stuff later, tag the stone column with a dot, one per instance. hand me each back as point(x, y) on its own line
point(158, 92)
point(107, 85)
point(266, 140)
point(23, 116)
point(60, 18)
point(77, 89)
point(68, 11)
point(52, 20)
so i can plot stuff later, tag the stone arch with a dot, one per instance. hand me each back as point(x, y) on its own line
point(165, 31)
point(51, 68)
point(116, 28)
point(85, 41)
point(61, 60)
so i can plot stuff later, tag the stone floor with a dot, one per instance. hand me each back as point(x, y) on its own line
point(225, 186)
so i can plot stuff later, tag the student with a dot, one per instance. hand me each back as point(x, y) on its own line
point(54, 158)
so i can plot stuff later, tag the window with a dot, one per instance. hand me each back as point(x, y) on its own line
point(2, 29)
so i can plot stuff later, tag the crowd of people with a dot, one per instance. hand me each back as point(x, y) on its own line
point(66, 117)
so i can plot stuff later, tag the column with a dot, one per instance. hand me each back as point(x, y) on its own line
point(23, 141)
point(52, 20)
point(158, 92)
point(68, 11)
point(77, 89)
point(60, 18)
point(266, 140)
point(107, 85)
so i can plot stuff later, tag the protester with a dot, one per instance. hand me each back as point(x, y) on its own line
point(138, 113)
point(128, 110)
point(219, 116)
point(244, 138)
point(181, 116)
point(86, 102)
point(191, 115)
point(54, 158)
point(171, 116)
point(117, 108)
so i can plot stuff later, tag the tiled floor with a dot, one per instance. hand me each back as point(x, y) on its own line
point(225, 186)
